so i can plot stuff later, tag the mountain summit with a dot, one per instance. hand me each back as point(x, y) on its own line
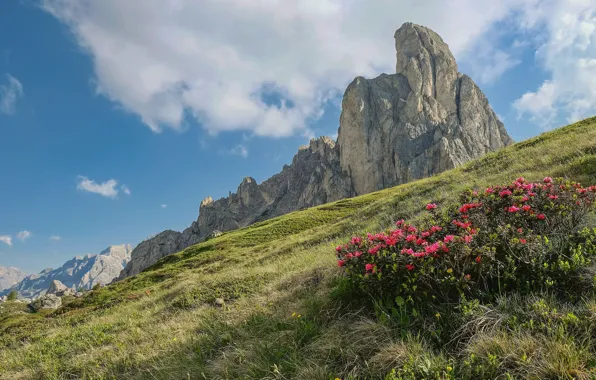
point(80, 272)
point(424, 119)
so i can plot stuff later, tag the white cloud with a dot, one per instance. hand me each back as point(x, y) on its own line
point(125, 189)
point(164, 206)
point(568, 54)
point(239, 150)
point(55, 238)
point(10, 93)
point(106, 189)
point(6, 239)
point(215, 60)
point(24, 235)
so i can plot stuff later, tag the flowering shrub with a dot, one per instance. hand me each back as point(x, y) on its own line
point(522, 237)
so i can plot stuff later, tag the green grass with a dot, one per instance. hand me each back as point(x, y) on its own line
point(289, 315)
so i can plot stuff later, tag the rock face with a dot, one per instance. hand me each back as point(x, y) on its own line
point(10, 276)
point(59, 289)
point(48, 301)
point(80, 272)
point(424, 119)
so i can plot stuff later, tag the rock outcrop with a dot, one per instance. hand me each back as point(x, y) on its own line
point(82, 272)
point(10, 276)
point(46, 302)
point(59, 289)
point(424, 119)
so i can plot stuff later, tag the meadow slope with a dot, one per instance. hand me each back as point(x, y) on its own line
point(287, 314)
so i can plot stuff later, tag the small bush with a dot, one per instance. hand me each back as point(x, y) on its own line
point(12, 295)
point(523, 237)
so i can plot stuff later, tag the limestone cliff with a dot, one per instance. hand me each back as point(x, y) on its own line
point(424, 119)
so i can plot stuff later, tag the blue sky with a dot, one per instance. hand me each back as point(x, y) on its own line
point(87, 92)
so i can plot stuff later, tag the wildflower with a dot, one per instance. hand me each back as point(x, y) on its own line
point(410, 267)
point(523, 241)
point(399, 222)
point(408, 251)
point(449, 368)
point(448, 238)
point(411, 238)
point(438, 315)
point(357, 254)
point(341, 263)
point(520, 230)
point(432, 248)
point(374, 250)
point(467, 239)
point(434, 229)
point(505, 193)
point(553, 197)
point(513, 209)
point(450, 270)
point(425, 234)
point(419, 254)
point(339, 248)
point(468, 277)
point(489, 190)
point(526, 208)
point(431, 206)
point(478, 259)
point(541, 216)
point(356, 240)
point(421, 241)
point(412, 229)
point(548, 180)
point(520, 180)
point(370, 267)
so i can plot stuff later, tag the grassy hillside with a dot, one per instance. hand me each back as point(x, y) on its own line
point(287, 314)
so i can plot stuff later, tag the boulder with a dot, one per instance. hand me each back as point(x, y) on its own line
point(48, 301)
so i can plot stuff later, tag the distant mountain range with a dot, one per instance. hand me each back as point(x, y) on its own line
point(10, 276)
point(80, 272)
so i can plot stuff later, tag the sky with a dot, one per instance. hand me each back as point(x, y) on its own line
point(118, 117)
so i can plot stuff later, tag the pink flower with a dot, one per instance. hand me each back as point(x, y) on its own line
point(523, 241)
point(370, 267)
point(553, 197)
point(513, 209)
point(408, 251)
point(356, 240)
point(520, 230)
point(478, 259)
point(341, 263)
point(432, 248)
point(399, 222)
point(468, 277)
point(373, 251)
point(412, 229)
point(419, 254)
point(434, 229)
point(505, 193)
point(349, 256)
point(431, 206)
point(527, 208)
point(339, 248)
point(425, 234)
point(489, 190)
point(547, 179)
point(421, 241)
point(541, 216)
point(468, 239)
point(357, 254)
point(449, 238)
point(520, 180)
point(410, 267)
